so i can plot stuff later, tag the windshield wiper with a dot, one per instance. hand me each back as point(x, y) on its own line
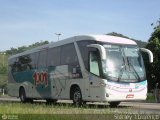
point(134, 71)
point(123, 67)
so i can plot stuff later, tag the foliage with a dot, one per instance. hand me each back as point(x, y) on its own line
point(3, 76)
point(3, 69)
point(3, 81)
point(13, 51)
point(153, 69)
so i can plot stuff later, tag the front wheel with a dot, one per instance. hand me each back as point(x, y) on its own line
point(114, 104)
point(77, 97)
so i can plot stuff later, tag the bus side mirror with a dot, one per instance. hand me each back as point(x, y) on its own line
point(101, 50)
point(149, 53)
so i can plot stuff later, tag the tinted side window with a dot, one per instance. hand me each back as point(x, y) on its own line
point(12, 64)
point(42, 59)
point(34, 58)
point(69, 57)
point(22, 63)
point(54, 56)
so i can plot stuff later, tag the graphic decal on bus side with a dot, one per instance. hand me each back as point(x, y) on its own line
point(40, 78)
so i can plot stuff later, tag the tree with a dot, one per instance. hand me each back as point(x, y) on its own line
point(3, 69)
point(12, 51)
point(153, 70)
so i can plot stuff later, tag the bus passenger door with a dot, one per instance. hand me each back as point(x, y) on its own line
point(94, 73)
point(51, 71)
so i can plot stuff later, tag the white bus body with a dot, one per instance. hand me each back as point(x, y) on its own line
point(82, 68)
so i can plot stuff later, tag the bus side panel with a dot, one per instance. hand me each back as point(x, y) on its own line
point(35, 83)
point(64, 70)
point(59, 77)
point(62, 80)
point(41, 84)
point(12, 86)
point(13, 89)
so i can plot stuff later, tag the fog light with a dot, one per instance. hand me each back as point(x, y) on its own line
point(107, 95)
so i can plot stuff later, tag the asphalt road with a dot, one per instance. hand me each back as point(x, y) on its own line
point(133, 107)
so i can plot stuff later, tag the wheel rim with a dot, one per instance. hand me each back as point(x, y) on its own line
point(77, 96)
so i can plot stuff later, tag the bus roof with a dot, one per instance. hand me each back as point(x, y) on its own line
point(107, 39)
point(99, 38)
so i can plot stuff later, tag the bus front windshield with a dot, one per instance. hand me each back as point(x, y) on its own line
point(123, 64)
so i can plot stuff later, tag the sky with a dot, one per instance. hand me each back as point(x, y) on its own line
point(24, 22)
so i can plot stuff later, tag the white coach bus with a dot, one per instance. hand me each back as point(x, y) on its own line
point(96, 68)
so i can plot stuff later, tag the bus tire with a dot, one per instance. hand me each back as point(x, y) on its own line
point(114, 104)
point(77, 96)
point(22, 95)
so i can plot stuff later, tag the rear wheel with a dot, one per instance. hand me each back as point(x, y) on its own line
point(77, 96)
point(114, 104)
point(22, 95)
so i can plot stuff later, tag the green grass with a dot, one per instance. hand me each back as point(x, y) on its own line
point(43, 108)
point(59, 111)
point(42, 111)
